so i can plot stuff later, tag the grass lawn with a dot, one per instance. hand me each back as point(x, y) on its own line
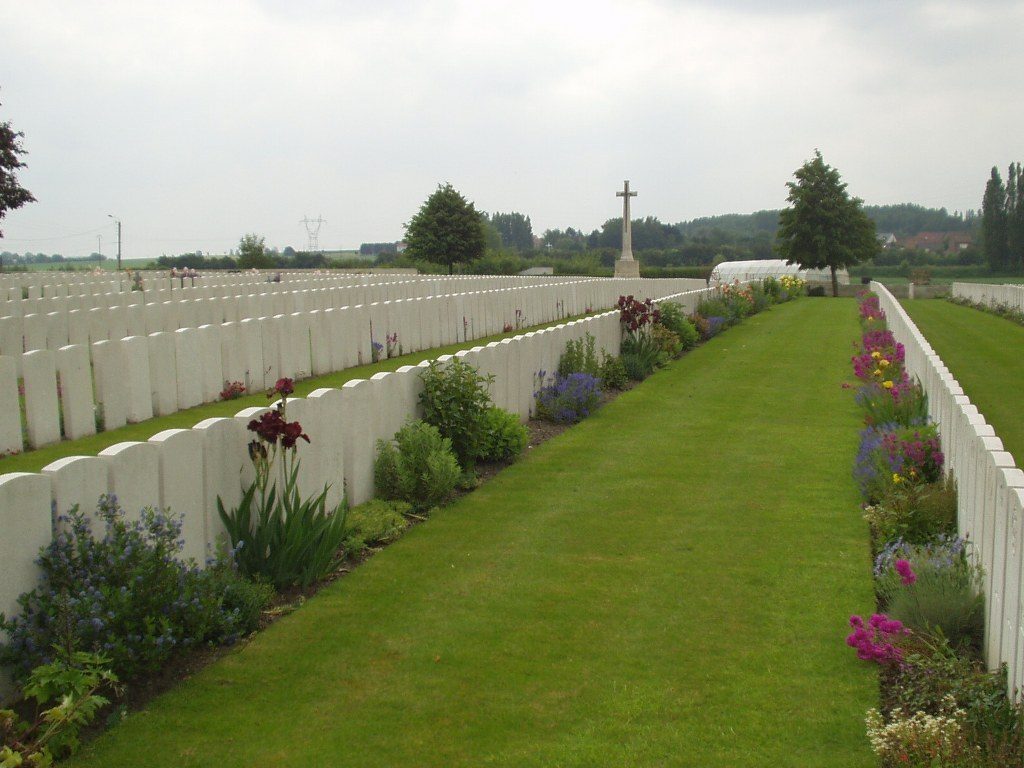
point(983, 352)
point(666, 584)
point(35, 460)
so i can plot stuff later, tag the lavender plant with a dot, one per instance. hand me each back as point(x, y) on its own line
point(567, 399)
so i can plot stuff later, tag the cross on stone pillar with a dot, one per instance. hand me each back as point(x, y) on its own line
point(627, 227)
point(626, 266)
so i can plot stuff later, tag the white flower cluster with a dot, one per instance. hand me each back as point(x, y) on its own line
point(920, 738)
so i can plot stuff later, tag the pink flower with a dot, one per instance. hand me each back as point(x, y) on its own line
point(907, 575)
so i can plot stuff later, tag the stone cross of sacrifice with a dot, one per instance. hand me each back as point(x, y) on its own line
point(627, 227)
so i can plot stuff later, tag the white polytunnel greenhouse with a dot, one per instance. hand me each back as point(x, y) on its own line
point(743, 271)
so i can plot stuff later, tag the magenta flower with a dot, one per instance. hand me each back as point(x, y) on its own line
point(907, 575)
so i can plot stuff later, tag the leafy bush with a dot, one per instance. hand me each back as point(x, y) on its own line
point(580, 356)
point(417, 467)
point(568, 399)
point(915, 513)
point(673, 317)
point(504, 437)
point(455, 400)
point(668, 341)
point(244, 598)
point(935, 672)
point(816, 290)
point(277, 536)
point(933, 589)
point(71, 682)
point(613, 373)
point(124, 595)
point(376, 522)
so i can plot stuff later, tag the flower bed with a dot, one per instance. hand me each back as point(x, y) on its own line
point(940, 706)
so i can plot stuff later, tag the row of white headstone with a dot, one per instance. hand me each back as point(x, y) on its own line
point(134, 377)
point(356, 290)
point(1006, 295)
point(187, 470)
point(990, 492)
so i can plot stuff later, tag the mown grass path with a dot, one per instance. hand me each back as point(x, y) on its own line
point(986, 355)
point(666, 584)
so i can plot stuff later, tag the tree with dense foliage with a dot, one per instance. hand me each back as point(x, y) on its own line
point(994, 223)
point(515, 229)
point(446, 230)
point(12, 194)
point(252, 253)
point(824, 226)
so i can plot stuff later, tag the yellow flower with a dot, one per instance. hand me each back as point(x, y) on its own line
point(897, 479)
point(884, 363)
point(876, 354)
point(876, 372)
point(887, 384)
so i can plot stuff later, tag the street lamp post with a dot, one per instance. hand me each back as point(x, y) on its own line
point(118, 222)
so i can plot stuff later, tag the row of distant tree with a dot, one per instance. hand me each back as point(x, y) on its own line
point(43, 258)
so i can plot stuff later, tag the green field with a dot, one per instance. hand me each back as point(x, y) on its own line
point(983, 352)
point(666, 584)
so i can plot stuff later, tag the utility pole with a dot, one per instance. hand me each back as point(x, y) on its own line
point(118, 222)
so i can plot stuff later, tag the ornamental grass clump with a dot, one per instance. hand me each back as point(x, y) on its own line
point(275, 534)
point(125, 594)
point(934, 589)
point(914, 512)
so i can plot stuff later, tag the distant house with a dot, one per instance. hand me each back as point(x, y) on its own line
point(938, 242)
point(886, 239)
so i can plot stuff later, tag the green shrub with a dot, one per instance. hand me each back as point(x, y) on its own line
point(122, 593)
point(244, 598)
point(672, 315)
point(455, 400)
point(504, 436)
point(668, 341)
point(816, 290)
point(613, 373)
point(417, 467)
point(915, 513)
point(580, 356)
point(376, 522)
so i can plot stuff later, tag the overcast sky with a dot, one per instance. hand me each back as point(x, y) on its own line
point(196, 122)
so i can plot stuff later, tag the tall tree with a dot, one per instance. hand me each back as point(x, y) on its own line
point(1015, 217)
point(12, 194)
point(447, 229)
point(994, 223)
point(824, 226)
